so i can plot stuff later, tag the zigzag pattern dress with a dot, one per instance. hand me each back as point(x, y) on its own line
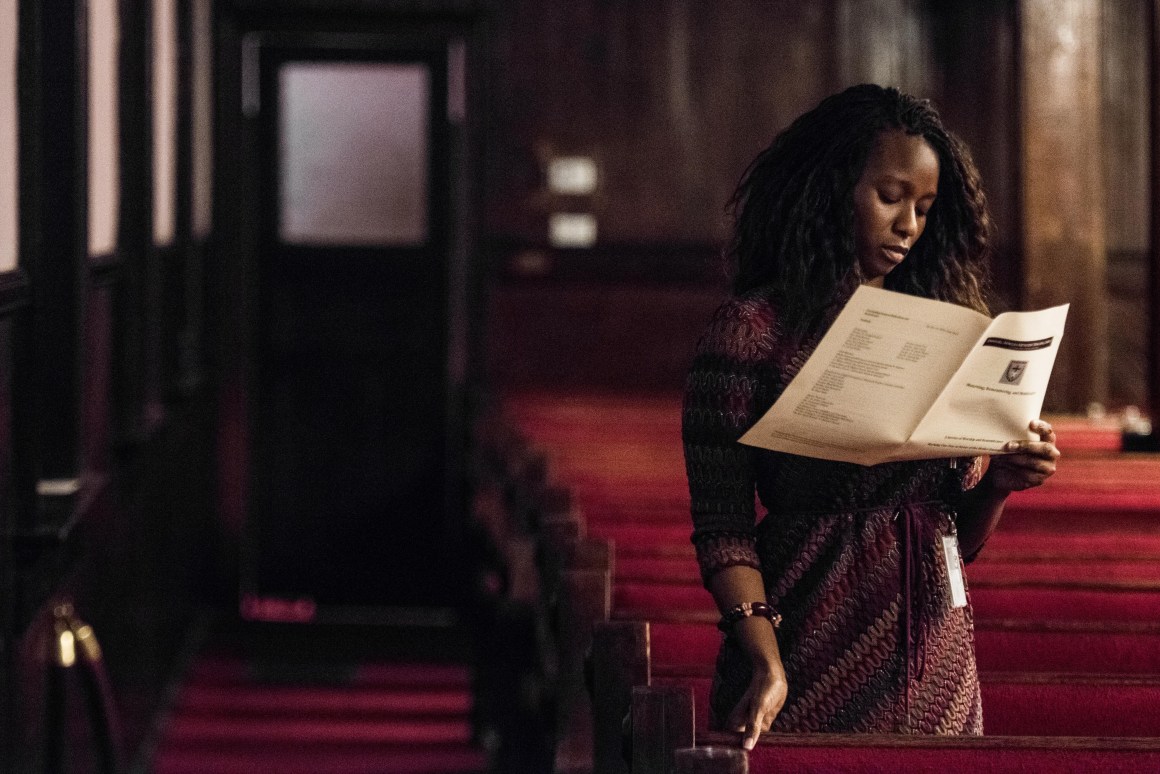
point(851, 556)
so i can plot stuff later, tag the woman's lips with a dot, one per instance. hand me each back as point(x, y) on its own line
point(895, 253)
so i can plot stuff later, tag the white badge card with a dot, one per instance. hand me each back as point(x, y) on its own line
point(954, 571)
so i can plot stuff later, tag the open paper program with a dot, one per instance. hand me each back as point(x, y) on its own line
point(898, 377)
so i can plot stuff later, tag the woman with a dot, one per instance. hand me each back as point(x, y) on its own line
point(866, 188)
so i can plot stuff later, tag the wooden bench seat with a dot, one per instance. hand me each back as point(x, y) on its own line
point(937, 755)
point(663, 719)
point(1046, 602)
point(1020, 704)
point(1004, 646)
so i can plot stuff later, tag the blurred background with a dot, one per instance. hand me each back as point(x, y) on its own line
point(262, 262)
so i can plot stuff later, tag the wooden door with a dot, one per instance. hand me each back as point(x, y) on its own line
point(354, 482)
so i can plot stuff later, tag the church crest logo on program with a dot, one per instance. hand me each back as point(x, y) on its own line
point(1014, 372)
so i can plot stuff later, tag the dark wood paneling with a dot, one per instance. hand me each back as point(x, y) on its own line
point(1125, 98)
point(132, 548)
point(183, 272)
point(976, 90)
point(410, 8)
point(135, 567)
point(1154, 207)
point(1063, 216)
point(136, 226)
point(595, 336)
point(673, 100)
point(98, 350)
point(649, 265)
point(1124, 101)
point(7, 522)
point(886, 42)
point(54, 232)
point(14, 291)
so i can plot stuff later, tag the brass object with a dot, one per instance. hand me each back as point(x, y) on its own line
point(72, 636)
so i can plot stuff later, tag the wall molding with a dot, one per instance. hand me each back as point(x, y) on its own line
point(692, 263)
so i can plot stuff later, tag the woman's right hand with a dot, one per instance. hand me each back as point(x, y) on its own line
point(764, 697)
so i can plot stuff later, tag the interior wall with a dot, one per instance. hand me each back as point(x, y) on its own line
point(104, 469)
point(673, 100)
point(977, 92)
point(1125, 125)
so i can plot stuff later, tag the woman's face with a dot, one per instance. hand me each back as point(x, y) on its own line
point(891, 201)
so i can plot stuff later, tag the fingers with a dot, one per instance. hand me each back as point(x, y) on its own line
point(1046, 450)
point(757, 725)
point(737, 720)
point(750, 739)
point(1015, 481)
point(755, 713)
point(1043, 430)
point(750, 724)
point(1027, 464)
point(1033, 457)
point(1044, 447)
point(1014, 472)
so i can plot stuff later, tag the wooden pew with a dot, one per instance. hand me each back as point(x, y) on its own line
point(664, 718)
point(543, 583)
point(646, 509)
point(1003, 646)
point(934, 755)
point(1022, 705)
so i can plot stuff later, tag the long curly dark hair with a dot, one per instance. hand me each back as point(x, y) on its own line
point(793, 211)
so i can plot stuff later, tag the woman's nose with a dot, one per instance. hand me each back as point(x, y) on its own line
point(906, 224)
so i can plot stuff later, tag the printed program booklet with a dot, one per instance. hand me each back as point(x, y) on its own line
point(898, 377)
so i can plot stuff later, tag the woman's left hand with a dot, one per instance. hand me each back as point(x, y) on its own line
point(1029, 464)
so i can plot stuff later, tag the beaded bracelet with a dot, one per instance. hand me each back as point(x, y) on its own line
point(745, 610)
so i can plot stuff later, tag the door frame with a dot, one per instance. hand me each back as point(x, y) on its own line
point(234, 280)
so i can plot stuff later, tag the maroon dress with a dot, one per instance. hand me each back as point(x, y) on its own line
point(851, 556)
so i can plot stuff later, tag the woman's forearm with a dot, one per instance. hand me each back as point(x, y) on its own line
point(733, 586)
point(978, 515)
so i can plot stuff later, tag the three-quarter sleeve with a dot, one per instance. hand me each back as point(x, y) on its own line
point(725, 393)
point(970, 475)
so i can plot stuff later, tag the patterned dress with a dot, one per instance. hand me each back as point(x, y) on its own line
point(851, 556)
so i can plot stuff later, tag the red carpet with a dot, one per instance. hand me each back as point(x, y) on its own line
point(285, 713)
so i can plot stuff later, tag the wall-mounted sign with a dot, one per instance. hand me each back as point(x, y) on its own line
point(572, 229)
point(572, 175)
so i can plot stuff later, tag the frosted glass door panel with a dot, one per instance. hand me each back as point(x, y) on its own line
point(353, 153)
point(8, 151)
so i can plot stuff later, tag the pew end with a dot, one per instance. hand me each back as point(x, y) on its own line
point(712, 759)
point(662, 723)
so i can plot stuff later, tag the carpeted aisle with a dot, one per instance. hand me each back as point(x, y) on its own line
point(306, 699)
